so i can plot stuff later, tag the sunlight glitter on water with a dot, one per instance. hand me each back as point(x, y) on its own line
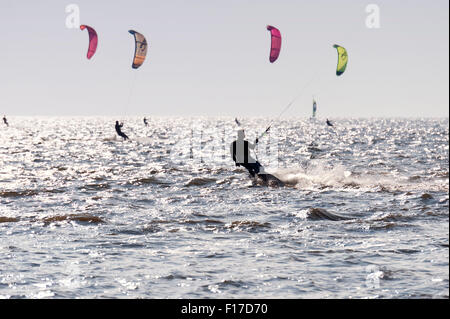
point(85, 214)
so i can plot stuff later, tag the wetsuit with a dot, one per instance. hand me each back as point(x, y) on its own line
point(329, 123)
point(6, 121)
point(119, 131)
point(241, 156)
point(145, 122)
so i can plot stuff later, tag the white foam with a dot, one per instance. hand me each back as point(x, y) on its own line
point(320, 175)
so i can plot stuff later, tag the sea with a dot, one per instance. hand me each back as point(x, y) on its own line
point(363, 211)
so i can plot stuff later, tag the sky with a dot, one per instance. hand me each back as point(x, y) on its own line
point(211, 58)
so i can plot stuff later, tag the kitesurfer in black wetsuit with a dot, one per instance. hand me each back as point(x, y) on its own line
point(119, 131)
point(5, 120)
point(329, 123)
point(145, 122)
point(240, 152)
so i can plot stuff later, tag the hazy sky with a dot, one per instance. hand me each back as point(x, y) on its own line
point(211, 57)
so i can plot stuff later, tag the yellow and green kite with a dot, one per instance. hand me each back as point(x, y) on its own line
point(342, 59)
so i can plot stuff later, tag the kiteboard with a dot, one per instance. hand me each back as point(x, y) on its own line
point(268, 180)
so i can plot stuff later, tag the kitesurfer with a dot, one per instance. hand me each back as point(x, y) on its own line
point(119, 130)
point(145, 122)
point(329, 123)
point(5, 120)
point(240, 152)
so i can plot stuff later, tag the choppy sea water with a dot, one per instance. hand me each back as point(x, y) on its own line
point(364, 212)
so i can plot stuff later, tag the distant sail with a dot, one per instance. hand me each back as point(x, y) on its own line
point(275, 46)
point(93, 40)
point(314, 109)
point(140, 51)
point(342, 59)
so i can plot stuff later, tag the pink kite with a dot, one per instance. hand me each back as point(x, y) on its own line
point(93, 40)
point(275, 44)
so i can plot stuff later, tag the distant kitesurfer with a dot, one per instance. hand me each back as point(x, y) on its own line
point(240, 152)
point(145, 122)
point(329, 123)
point(119, 131)
point(5, 120)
